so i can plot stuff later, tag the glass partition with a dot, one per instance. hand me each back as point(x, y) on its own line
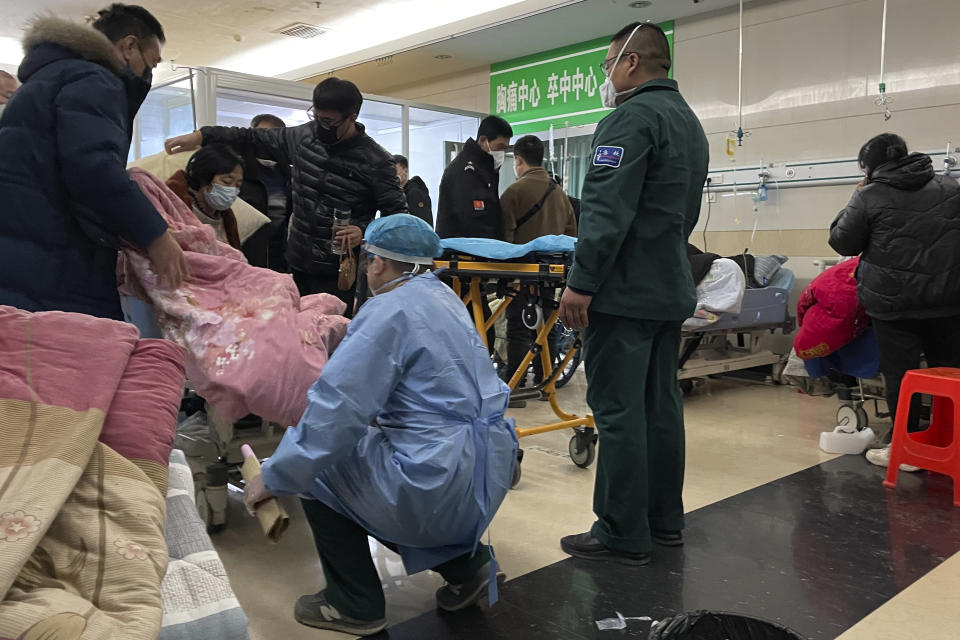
point(384, 123)
point(237, 108)
point(167, 112)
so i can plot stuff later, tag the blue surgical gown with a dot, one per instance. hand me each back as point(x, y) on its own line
point(433, 468)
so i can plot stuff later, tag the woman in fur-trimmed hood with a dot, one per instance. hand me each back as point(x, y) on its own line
point(67, 201)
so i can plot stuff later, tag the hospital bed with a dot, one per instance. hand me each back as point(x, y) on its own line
point(479, 267)
point(735, 341)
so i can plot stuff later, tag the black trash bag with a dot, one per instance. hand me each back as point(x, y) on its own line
point(715, 625)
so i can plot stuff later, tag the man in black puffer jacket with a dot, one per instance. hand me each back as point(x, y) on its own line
point(904, 222)
point(336, 165)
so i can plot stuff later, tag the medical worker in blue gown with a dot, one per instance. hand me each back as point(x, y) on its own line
point(404, 439)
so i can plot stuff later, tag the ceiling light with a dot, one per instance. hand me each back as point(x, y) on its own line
point(640, 4)
point(443, 56)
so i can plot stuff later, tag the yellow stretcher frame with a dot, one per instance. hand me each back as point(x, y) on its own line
point(468, 276)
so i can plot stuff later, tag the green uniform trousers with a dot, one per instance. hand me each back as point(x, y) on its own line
point(353, 585)
point(632, 388)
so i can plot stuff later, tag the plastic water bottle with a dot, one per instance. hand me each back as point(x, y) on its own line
point(341, 220)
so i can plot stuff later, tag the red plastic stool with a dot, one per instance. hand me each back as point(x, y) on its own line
point(938, 448)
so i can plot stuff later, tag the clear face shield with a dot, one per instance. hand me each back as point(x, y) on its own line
point(367, 257)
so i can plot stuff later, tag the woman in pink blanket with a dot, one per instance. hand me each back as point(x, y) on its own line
point(253, 345)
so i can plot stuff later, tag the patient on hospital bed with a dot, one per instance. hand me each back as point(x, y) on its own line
point(722, 283)
point(235, 321)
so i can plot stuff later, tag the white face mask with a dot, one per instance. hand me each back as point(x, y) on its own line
point(498, 158)
point(608, 92)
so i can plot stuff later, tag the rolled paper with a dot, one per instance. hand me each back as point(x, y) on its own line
point(272, 516)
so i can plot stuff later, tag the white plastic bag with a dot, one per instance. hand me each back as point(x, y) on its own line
point(720, 291)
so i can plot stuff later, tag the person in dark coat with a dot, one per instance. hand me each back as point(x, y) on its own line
point(68, 202)
point(266, 187)
point(574, 202)
point(336, 165)
point(418, 196)
point(469, 202)
point(904, 223)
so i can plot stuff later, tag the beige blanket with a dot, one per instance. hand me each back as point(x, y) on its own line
point(82, 552)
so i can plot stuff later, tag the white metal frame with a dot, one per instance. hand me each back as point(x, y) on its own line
point(818, 173)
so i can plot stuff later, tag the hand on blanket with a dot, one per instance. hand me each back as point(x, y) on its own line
point(353, 235)
point(254, 494)
point(187, 142)
point(573, 309)
point(168, 260)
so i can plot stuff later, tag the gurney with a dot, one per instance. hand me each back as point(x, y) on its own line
point(480, 267)
point(734, 341)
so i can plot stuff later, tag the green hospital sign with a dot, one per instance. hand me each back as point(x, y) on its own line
point(559, 87)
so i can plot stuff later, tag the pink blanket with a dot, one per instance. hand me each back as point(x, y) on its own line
point(253, 345)
point(87, 418)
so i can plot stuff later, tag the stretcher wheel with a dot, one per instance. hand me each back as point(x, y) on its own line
point(583, 448)
point(686, 386)
point(517, 471)
point(516, 475)
point(850, 415)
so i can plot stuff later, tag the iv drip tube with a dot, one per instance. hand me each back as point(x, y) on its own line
point(883, 46)
point(883, 101)
point(739, 131)
point(740, 73)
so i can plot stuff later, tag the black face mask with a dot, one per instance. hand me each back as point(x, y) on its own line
point(137, 87)
point(327, 135)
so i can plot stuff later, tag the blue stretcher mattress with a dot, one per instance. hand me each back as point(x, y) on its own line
point(761, 307)
point(499, 250)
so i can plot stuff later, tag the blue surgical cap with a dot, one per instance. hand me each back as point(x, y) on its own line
point(404, 238)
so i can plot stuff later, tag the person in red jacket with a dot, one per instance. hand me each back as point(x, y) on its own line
point(828, 312)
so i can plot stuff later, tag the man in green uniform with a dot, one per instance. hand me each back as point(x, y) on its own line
point(630, 290)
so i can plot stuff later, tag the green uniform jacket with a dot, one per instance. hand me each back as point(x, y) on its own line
point(641, 200)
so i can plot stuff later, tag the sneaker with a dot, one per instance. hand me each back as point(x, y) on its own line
point(667, 538)
point(584, 545)
point(881, 458)
point(315, 611)
point(454, 597)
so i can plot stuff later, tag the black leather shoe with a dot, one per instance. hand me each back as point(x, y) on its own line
point(667, 538)
point(584, 545)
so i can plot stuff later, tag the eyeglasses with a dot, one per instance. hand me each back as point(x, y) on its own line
point(605, 65)
point(325, 123)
